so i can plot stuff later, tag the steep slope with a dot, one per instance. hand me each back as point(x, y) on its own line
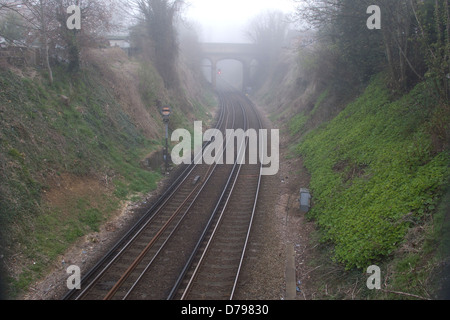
point(379, 176)
point(71, 153)
point(375, 172)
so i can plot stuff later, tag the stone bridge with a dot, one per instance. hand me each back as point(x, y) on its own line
point(243, 52)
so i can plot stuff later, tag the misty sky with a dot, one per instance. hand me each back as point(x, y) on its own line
point(226, 20)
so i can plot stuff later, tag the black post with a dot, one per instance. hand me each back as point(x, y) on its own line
point(165, 112)
point(166, 149)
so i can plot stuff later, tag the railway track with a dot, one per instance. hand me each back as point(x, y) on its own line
point(191, 243)
point(215, 272)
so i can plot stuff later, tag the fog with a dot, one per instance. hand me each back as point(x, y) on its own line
point(227, 21)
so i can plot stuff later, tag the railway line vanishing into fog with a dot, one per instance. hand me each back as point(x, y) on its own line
point(191, 243)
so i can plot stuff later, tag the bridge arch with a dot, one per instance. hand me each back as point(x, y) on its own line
point(242, 52)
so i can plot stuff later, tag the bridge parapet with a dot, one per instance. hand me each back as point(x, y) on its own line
point(223, 49)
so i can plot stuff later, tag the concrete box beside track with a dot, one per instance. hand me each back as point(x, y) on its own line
point(305, 200)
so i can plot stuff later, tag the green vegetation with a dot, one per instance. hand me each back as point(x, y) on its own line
point(41, 138)
point(53, 230)
point(74, 128)
point(297, 122)
point(319, 101)
point(368, 112)
point(80, 138)
point(374, 173)
point(73, 136)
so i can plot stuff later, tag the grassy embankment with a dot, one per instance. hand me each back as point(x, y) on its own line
point(92, 142)
point(379, 181)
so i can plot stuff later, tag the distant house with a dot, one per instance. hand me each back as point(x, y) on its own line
point(121, 41)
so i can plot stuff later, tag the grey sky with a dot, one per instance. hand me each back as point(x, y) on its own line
point(226, 20)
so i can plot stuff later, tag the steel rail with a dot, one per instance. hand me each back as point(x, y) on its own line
point(254, 205)
point(141, 223)
point(158, 207)
point(179, 222)
point(217, 226)
point(210, 221)
point(150, 244)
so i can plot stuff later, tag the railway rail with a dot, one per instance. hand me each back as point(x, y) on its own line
point(191, 243)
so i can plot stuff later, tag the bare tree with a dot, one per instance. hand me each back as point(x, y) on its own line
point(432, 18)
point(268, 31)
point(268, 28)
point(46, 22)
point(96, 17)
point(9, 5)
point(12, 26)
point(343, 19)
point(157, 22)
point(39, 20)
point(397, 28)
